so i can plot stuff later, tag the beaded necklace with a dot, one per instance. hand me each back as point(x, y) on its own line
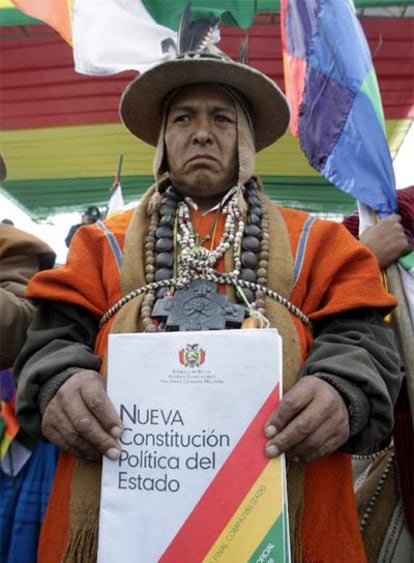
point(175, 258)
point(194, 259)
point(190, 260)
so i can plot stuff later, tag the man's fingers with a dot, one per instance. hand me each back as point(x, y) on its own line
point(318, 422)
point(51, 429)
point(297, 432)
point(87, 428)
point(81, 418)
point(292, 403)
point(58, 429)
point(319, 443)
point(102, 409)
point(74, 445)
point(323, 441)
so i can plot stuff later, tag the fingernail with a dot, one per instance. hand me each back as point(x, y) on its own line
point(116, 432)
point(271, 431)
point(113, 453)
point(272, 451)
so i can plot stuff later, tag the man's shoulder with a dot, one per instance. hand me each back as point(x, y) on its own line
point(298, 222)
point(291, 215)
point(14, 242)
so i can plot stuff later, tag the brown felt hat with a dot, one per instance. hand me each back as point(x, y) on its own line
point(142, 101)
point(3, 168)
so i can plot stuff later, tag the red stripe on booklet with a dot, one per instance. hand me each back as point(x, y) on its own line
point(225, 493)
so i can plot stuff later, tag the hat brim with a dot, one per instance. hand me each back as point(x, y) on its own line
point(141, 102)
point(3, 169)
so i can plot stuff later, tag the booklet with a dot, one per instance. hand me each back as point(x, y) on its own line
point(193, 483)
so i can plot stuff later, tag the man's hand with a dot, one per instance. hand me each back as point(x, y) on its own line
point(387, 240)
point(311, 421)
point(81, 419)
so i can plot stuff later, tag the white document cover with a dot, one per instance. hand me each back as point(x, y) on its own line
point(194, 405)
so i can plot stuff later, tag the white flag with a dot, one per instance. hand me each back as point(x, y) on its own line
point(116, 203)
point(111, 36)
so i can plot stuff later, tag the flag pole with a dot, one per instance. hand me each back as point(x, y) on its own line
point(117, 179)
point(402, 325)
point(400, 316)
point(116, 200)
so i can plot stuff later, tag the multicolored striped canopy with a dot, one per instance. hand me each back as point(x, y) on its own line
point(61, 136)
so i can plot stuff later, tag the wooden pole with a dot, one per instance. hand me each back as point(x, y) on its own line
point(117, 179)
point(118, 174)
point(403, 327)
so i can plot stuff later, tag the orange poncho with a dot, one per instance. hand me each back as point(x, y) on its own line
point(332, 273)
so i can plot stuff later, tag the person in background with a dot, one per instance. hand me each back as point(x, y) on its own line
point(27, 466)
point(206, 218)
point(384, 482)
point(91, 215)
point(22, 255)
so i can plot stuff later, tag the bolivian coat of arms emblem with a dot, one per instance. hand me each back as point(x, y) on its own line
point(192, 356)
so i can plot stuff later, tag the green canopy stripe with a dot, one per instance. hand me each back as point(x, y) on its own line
point(313, 194)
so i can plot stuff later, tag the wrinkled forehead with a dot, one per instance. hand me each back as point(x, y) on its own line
point(216, 93)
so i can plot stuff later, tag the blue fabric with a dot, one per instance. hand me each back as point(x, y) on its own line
point(23, 502)
point(341, 122)
point(301, 251)
point(300, 23)
point(324, 111)
point(358, 162)
point(116, 251)
point(6, 385)
point(339, 48)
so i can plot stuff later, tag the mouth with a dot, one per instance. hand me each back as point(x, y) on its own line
point(202, 157)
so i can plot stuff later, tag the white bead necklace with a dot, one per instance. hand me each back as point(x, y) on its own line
point(194, 259)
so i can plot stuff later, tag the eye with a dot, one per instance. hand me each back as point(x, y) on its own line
point(182, 118)
point(223, 118)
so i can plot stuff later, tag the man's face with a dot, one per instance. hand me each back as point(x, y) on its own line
point(201, 143)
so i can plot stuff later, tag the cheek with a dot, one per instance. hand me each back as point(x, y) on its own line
point(230, 146)
point(173, 147)
point(229, 140)
point(170, 150)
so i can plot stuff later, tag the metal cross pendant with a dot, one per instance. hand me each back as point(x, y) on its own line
point(198, 307)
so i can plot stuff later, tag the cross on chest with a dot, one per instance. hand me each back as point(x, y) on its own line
point(198, 307)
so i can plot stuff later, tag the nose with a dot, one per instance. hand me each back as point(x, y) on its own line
point(202, 131)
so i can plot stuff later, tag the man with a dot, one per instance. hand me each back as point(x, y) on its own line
point(206, 218)
point(26, 475)
point(384, 482)
point(392, 238)
point(90, 216)
point(22, 255)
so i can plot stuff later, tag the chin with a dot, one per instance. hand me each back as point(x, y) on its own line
point(202, 184)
